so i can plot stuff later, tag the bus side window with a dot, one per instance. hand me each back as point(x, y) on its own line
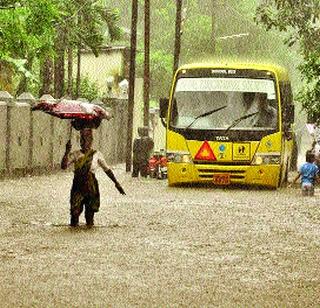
point(287, 104)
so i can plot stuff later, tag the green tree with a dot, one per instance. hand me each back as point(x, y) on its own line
point(88, 89)
point(83, 26)
point(33, 32)
point(26, 33)
point(300, 19)
point(230, 16)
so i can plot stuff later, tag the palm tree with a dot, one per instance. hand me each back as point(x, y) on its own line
point(86, 22)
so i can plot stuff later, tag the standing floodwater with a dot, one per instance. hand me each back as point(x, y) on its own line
point(158, 246)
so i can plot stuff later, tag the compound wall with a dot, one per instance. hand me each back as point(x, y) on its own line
point(34, 142)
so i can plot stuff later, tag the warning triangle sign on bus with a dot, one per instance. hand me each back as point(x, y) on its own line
point(205, 152)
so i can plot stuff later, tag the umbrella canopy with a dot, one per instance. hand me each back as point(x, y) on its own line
point(82, 114)
point(71, 109)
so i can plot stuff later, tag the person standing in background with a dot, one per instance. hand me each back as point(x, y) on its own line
point(142, 147)
point(308, 173)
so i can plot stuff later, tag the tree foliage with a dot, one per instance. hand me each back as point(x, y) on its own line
point(300, 19)
point(32, 31)
point(229, 16)
point(27, 30)
point(88, 89)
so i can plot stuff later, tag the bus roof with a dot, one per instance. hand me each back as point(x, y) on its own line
point(280, 71)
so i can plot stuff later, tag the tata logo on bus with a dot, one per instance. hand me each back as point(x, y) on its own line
point(222, 138)
point(205, 152)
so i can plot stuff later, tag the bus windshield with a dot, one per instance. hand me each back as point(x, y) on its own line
point(224, 104)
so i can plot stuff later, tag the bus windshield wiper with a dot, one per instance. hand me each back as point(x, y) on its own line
point(205, 114)
point(237, 121)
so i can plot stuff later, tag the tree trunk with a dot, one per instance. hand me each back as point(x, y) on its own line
point(213, 26)
point(46, 77)
point(6, 75)
point(132, 72)
point(78, 77)
point(70, 71)
point(59, 64)
point(177, 42)
point(78, 80)
point(146, 80)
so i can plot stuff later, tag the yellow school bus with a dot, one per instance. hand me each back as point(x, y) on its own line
point(229, 124)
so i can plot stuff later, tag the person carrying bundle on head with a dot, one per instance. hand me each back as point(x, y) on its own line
point(85, 188)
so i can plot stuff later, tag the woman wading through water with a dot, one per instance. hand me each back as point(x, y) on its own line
point(85, 188)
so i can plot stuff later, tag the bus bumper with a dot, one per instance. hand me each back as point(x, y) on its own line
point(187, 173)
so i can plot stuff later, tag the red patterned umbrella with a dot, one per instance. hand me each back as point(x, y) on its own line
point(82, 114)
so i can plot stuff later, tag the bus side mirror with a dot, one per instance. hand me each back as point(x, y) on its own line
point(290, 114)
point(164, 105)
point(288, 120)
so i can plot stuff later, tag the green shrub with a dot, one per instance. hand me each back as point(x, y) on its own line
point(88, 89)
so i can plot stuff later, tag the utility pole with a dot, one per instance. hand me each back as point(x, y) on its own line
point(132, 73)
point(146, 78)
point(177, 42)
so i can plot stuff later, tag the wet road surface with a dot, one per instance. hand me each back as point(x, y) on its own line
point(158, 246)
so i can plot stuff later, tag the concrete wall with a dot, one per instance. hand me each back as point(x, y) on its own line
point(60, 138)
point(41, 139)
point(19, 136)
point(34, 142)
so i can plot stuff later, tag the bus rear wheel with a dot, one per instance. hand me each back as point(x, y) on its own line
point(284, 176)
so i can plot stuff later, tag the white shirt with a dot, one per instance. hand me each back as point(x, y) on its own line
point(317, 150)
point(97, 160)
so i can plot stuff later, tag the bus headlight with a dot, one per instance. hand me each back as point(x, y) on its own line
point(179, 157)
point(266, 159)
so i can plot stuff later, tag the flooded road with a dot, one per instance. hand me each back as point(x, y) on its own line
point(158, 246)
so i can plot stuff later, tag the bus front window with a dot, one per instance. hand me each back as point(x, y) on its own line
point(218, 103)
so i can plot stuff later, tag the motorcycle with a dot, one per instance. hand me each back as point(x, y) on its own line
point(153, 166)
point(157, 166)
point(163, 167)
